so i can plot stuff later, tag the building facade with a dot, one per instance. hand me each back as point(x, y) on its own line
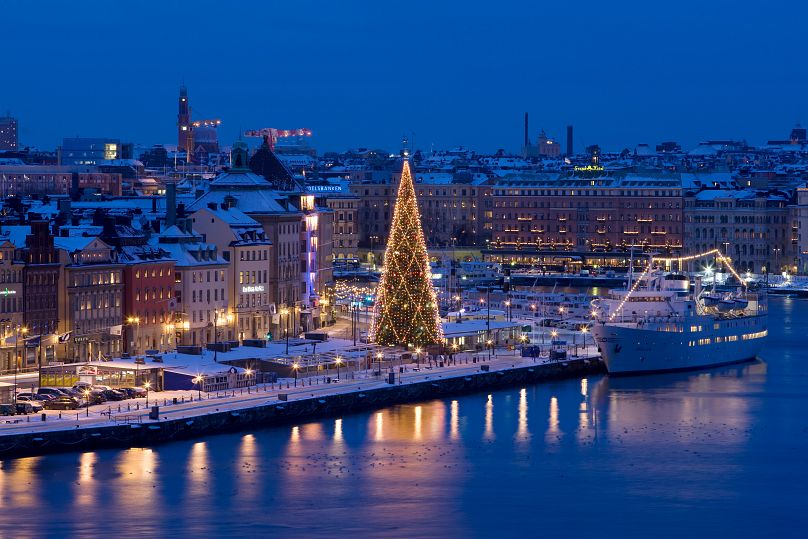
point(91, 298)
point(242, 241)
point(754, 228)
point(588, 214)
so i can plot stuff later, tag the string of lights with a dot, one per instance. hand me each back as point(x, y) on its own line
point(679, 259)
point(406, 309)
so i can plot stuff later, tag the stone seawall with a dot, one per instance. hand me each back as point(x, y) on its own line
point(277, 412)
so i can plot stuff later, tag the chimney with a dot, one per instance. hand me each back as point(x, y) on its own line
point(569, 141)
point(527, 139)
point(171, 204)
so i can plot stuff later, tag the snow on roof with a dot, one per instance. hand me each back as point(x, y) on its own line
point(72, 243)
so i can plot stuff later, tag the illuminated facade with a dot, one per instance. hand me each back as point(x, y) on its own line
point(755, 229)
point(602, 213)
point(242, 241)
point(11, 302)
point(91, 298)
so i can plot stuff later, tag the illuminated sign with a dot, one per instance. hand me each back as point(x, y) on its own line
point(250, 289)
point(7, 292)
point(589, 168)
point(324, 188)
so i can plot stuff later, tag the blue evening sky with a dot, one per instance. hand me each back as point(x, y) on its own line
point(364, 73)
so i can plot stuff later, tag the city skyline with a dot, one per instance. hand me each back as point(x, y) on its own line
point(467, 76)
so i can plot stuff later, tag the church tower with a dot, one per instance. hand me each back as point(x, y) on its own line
point(185, 138)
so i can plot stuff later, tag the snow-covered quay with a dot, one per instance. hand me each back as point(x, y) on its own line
point(189, 414)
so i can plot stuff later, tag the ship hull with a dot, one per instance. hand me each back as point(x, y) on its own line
point(627, 349)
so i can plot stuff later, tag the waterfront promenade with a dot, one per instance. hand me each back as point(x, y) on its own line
point(192, 405)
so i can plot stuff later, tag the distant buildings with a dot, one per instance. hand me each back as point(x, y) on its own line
point(9, 140)
point(92, 151)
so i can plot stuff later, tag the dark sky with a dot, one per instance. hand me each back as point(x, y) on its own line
point(452, 72)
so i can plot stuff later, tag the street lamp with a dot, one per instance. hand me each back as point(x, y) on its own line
point(22, 330)
point(508, 307)
point(285, 313)
point(147, 385)
point(134, 321)
point(198, 382)
point(295, 366)
point(87, 401)
point(584, 331)
point(490, 344)
point(338, 361)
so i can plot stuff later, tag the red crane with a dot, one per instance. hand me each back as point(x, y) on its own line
point(272, 134)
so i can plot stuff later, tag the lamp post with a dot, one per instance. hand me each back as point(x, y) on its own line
point(338, 360)
point(584, 331)
point(22, 330)
point(87, 401)
point(147, 385)
point(285, 313)
point(490, 344)
point(418, 358)
point(134, 322)
point(523, 340)
point(198, 382)
point(508, 307)
point(295, 367)
point(215, 335)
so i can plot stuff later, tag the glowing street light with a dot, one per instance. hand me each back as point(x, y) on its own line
point(295, 367)
point(147, 385)
point(198, 382)
point(338, 361)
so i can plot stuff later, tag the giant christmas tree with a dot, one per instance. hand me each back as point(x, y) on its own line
point(406, 309)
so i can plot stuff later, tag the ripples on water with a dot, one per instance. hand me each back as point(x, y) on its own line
point(718, 453)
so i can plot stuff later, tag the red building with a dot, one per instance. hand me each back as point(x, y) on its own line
point(148, 305)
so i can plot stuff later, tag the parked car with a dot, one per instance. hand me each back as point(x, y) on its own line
point(35, 404)
point(62, 403)
point(134, 392)
point(8, 409)
point(23, 407)
point(113, 395)
point(81, 386)
point(95, 397)
point(46, 396)
point(55, 391)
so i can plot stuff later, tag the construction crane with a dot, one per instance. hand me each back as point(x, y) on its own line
point(272, 134)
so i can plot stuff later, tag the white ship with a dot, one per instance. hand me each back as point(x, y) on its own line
point(660, 325)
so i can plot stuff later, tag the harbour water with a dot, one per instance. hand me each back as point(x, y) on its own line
point(717, 453)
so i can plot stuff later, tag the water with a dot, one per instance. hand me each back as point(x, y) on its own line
point(712, 454)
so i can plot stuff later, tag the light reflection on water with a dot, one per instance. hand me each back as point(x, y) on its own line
point(674, 449)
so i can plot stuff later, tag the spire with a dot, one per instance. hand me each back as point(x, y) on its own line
point(406, 311)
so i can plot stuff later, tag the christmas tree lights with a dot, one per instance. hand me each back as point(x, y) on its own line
point(406, 311)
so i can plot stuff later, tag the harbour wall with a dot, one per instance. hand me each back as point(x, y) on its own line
point(276, 412)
